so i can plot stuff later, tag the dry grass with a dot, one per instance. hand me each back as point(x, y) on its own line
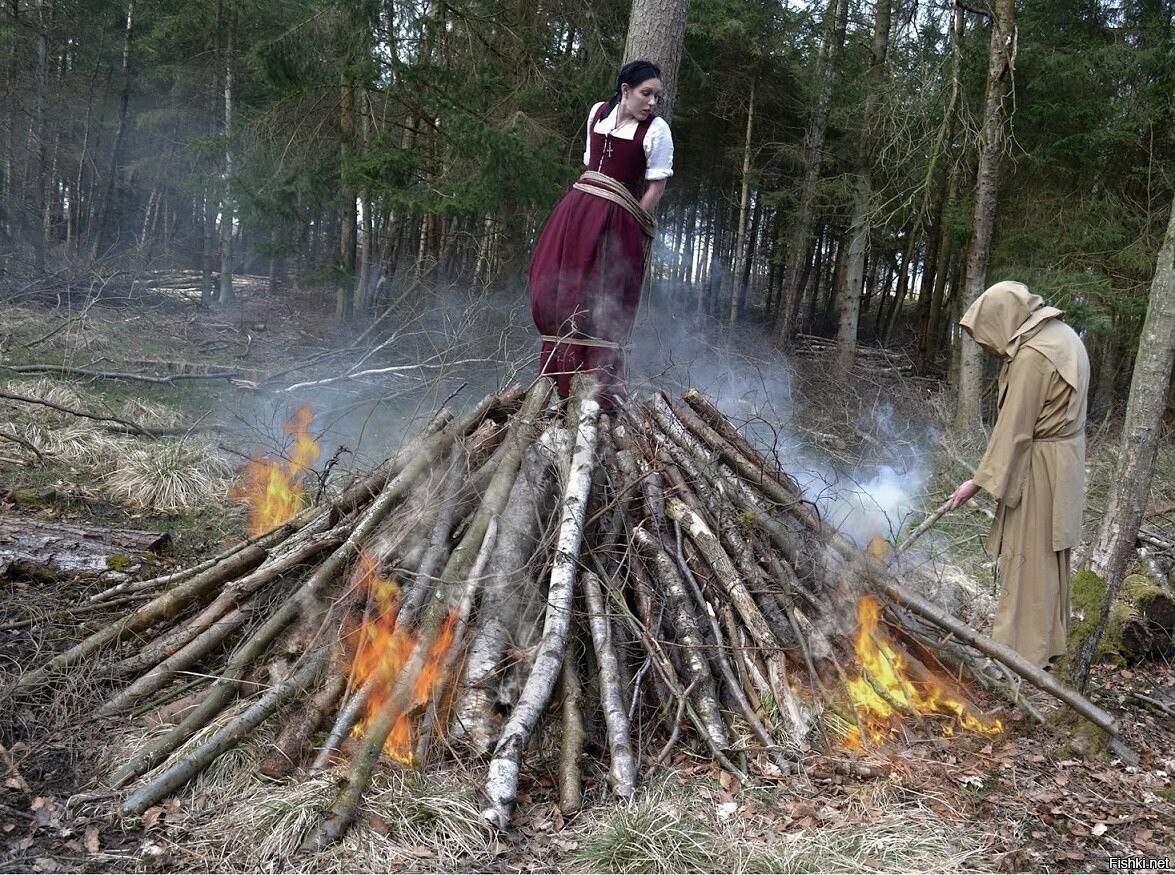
point(407, 821)
point(893, 836)
point(52, 391)
point(680, 827)
point(654, 832)
point(163, 475)
point(169, 476)
point(149, 414)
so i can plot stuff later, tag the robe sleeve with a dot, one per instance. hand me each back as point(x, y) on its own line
point(1004, 468)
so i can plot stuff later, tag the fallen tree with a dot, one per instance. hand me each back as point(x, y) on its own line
point(428, 612)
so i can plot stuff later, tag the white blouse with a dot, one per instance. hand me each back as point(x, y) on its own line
point(658, 142)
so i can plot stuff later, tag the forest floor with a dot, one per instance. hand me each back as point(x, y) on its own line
point(1038, 798)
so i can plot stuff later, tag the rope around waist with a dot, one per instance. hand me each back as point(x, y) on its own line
point(581, 341)
point(602, 186)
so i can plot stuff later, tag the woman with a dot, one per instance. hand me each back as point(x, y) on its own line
point(588, 266)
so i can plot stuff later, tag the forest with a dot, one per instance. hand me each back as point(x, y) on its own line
point(363, 147)
point(281, 593)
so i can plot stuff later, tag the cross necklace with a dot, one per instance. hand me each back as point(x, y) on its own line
point(607, 150)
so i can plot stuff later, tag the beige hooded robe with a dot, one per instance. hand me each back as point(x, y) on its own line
point(1034, 464)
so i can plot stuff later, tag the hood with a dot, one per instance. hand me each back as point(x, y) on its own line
point(1002, 316)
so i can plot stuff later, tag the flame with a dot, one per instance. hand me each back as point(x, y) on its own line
point(878, 548)
point(383, 648)
point(273, 488)
point(883, 669)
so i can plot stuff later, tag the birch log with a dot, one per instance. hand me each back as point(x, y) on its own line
point(622, 770)
point(501, 785)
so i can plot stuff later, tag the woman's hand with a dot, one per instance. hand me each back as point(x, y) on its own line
point(963, 494)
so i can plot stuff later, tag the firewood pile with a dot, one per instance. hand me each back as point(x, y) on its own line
point(874, 360)
point(525, 578)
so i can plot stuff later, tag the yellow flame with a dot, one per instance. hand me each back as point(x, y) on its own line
point(273, 488)
point(383, 648)
point(883, 668)
point(878, 548)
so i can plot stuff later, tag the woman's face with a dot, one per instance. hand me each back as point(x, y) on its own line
point(640, 101)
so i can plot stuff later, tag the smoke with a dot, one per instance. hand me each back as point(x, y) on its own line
point(463, 345)
point(867, 484)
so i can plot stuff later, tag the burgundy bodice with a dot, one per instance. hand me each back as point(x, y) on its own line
point(624, 160)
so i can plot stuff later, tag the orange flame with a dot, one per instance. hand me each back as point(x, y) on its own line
point(273, 488)
point(878, 548)
point(882, 667)
point(382, 651)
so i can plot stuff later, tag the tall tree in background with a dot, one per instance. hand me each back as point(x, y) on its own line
point(853, 280)
point(1138, 446)
point(803, 223)
point(656, 30)
point(1001, 59)
point(106, 207)
point(228, 207)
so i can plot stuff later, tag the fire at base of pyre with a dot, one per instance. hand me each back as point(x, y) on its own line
point(623, 587)
point(888, 690)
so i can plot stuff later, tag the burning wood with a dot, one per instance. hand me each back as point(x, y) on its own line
point(653, 567)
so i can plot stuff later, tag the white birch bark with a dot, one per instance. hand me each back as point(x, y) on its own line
point(622, 770)
point(501, 785)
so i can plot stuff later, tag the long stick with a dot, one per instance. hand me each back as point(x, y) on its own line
point(924, 527)
point(342, 812)
point(501, 786)
point(622, 771)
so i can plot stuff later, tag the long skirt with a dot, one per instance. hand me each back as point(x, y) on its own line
point(585, 283)
point(1032, 616)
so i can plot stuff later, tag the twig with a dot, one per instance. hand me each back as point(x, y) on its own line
point(1161, 707)
point(924, 527)
point(126, 424)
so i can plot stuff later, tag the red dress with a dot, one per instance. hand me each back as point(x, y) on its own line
point(587, 270)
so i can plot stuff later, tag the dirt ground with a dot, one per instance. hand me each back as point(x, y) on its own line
point(1037, 798)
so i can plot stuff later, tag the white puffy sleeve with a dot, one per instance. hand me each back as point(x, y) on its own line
point(658, 150)
point(587, 147)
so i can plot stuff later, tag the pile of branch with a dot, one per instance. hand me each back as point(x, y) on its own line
point(647, 570)
point(871, 359)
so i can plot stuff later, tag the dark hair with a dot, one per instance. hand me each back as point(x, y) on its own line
point(632, 74)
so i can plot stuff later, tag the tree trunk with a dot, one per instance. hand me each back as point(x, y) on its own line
point(656, 30)
point(8, 186)
point(799, 243)
point(106, 211)
point(41, 181)
point(1000, 63)
point(854, 276)
point(65, 549)
point(903, 285)
point(740, 239)
point(227, 205)
point(1140, 442)
point(348, 214)
point(209, 190)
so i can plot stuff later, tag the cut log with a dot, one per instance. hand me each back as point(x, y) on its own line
point(1154, 603)
point(65, 549)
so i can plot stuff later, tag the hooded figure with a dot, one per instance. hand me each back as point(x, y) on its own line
point(1034, 465)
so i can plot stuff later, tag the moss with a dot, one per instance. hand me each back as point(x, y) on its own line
point(120, 561)
point(1083, 739)
point(1086, 593)
point(1152, 601)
